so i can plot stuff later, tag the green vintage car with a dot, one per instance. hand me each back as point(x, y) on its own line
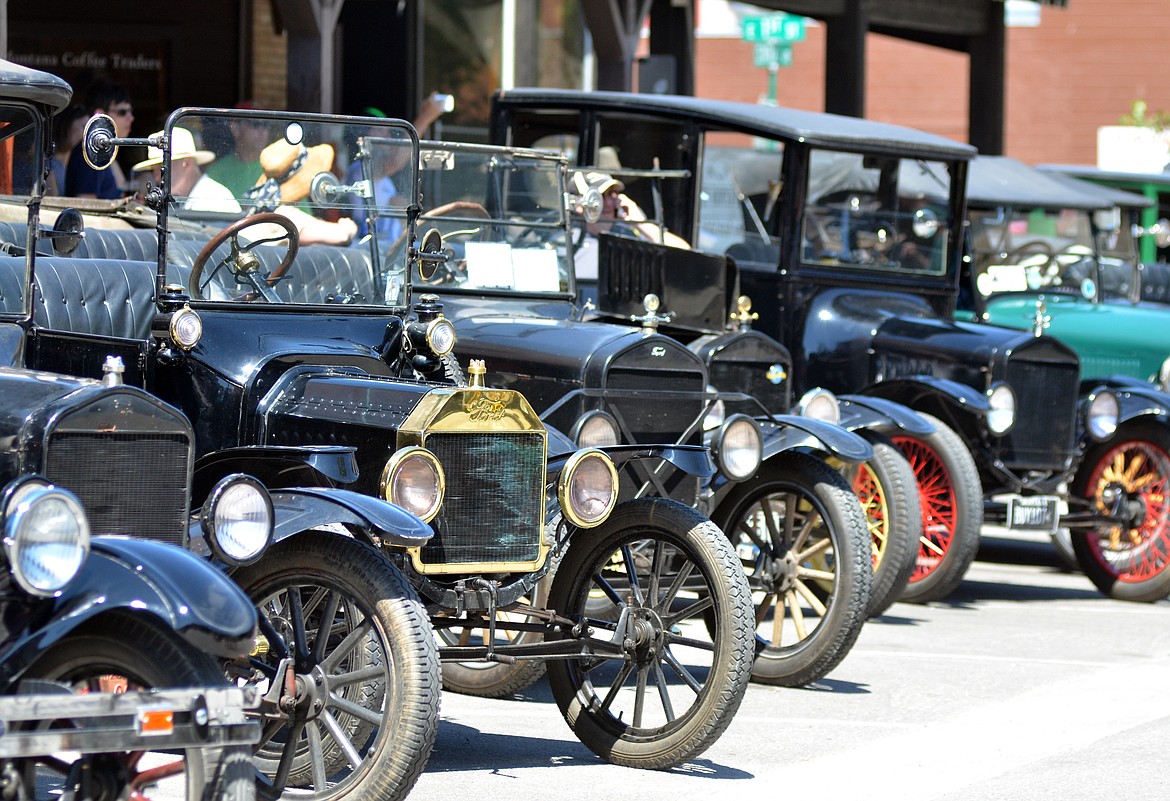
point(1034, 262)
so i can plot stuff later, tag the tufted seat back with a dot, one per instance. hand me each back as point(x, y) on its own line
point(105, 297)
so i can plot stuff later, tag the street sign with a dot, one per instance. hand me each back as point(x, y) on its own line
point(772, 54)
point(773, 28)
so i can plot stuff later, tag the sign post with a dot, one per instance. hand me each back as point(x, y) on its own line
point(773, 35)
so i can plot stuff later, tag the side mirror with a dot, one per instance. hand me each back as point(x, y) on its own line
point(99, 149)
point(431, 254)
point(68, 231)
point(589, 205)
point(323, 189)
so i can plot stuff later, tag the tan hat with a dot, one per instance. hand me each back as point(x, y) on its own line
point(600, 181)
point(182, 147)
point(293, 167)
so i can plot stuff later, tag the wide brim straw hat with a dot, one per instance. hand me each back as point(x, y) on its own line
point(293, 167)
point(182, 147)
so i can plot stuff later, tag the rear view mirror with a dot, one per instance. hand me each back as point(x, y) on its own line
point(99, 149)
point(431, 254)
point(67, 233)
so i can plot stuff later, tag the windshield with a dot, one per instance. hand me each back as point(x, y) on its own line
point(244, 186)
point(502, 215)
point(1018, 250)
point(877, 213)
point(21, 164)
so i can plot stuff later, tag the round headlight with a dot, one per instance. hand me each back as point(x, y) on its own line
point(1101, 416)
point(596, 429)
point(1164, 376)
point(46, 538)
point(238, 519)
point(441, 336)
point(820, 404)
point(587, 488)
point(1002, 414)
point(414, 480)
point(739, 447)
point(186, 328)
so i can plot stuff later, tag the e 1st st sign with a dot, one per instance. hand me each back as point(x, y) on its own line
point(773, 28)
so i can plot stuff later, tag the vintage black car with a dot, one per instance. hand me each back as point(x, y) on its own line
point(852, 263)
point(88, 618)
point(345, 647)
point(314, 363)
point(1034, 262)
point(509, 286)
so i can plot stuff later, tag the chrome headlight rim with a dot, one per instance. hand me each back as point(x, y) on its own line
point(727, 458)
point(185, 328)
point(573, 469)
point(216, 528)
point(1164, 376)
point(440, 336)
point(820, 404)
point(1001, 400)
point(589, 421)
point(24, 501)
point(1102, 414)
point(395, 468)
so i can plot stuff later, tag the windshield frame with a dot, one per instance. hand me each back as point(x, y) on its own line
point(161, 200)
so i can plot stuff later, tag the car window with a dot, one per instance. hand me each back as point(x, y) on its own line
point(876, 213)
point(1026, 250)
point(738, 197)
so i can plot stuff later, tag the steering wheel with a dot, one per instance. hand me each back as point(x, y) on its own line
point(232, 260)
point(457, 208)
point(1038, 261)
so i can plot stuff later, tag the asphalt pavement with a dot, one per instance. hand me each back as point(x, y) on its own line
point(1025, 684)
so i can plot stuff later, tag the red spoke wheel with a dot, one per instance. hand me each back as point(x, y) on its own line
point(887, 490)
point(1130, 480)
point(952, 510)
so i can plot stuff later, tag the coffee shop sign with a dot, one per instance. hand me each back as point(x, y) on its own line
point(88, 59)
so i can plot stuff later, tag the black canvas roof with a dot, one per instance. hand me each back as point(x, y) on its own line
point(1002, 181)
point(828, 130)
point(25, 83)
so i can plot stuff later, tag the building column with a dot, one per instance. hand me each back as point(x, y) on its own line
point(986, 84)
point(312, 52)
point(845, 61)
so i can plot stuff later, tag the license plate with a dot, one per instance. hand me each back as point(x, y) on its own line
point(1034, 513)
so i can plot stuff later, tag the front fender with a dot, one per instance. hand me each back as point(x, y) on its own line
point(791, 431)
point(864, 411)
point(303, 508)
point(693, 459)
point(908, 389)
point(276, 465)
point(1142, 401)
point(180, 590)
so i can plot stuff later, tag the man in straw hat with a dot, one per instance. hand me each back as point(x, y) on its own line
point(192, 188)
point(288, 175)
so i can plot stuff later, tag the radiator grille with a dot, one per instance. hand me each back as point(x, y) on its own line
point(751, 379)
point(655, 420)
point(493, 510)
point(128, 483)
point(1046, 396)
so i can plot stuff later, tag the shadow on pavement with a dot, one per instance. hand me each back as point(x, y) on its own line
point(460, 747)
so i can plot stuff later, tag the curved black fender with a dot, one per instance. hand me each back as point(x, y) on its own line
point(791, 431)
point(908, 389)
point(302, 508)
point(1135, 399)
point(276, 465)
point(177, 588)
point(866, 411)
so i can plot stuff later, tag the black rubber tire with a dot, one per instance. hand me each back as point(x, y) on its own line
point(836, 541)
point(888, 492)
point(952, 510)
point(1128, 563)
point(147, 656)
point(395, 735)
point(684, 545)
point(496, 679)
